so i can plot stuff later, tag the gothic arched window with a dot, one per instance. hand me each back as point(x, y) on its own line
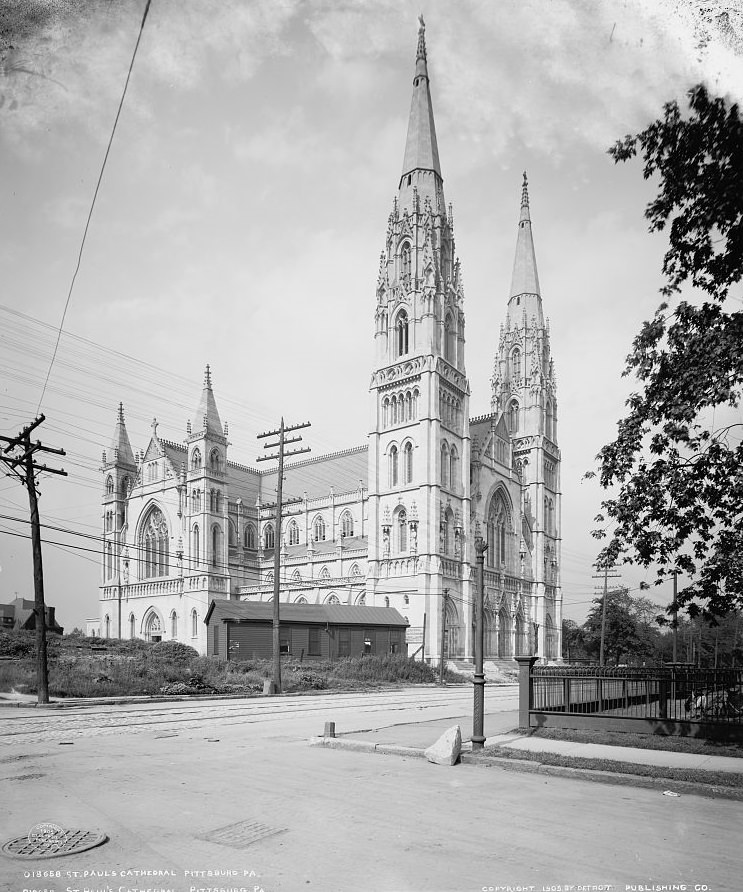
point(195, 545)
point(402, 530)
point(498, 523)
point(174, 625)
point(401, 333)
point(405, 263)
point(293, 533)
point(250, 536)
point(269, 539)
point(513, 416)
point(347, 524)
point(450, 339)
point(195, 459)
point(408, 462)
point(318, 529)
point(107, 627)
point(516, 364)
point(549, 421)
point(215, 460)
point(109, 485)
point(216, 546)
point(393, 466)
point(154, 544)
point(386, 421)
point(453, 467)
point(194, 624)
point(132, 626)
point(444, 464)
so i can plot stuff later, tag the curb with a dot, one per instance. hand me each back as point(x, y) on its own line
point(529, 766)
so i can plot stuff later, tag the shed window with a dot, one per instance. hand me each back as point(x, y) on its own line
point(344, 642)
point(313, 649)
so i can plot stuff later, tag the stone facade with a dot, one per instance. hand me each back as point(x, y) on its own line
point(389, 524)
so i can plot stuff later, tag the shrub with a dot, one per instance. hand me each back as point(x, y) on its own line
point(173, 652)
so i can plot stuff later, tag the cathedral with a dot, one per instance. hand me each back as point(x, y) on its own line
point(391, 523)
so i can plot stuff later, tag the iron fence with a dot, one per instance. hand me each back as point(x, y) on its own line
point(657, 695)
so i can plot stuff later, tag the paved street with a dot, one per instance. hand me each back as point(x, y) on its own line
point(232, 787)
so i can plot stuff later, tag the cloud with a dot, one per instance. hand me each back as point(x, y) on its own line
point(65, 63)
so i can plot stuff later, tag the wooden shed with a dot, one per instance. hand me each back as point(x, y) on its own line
point(243, 630)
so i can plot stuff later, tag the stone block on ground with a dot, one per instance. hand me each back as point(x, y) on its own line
point(447, 748)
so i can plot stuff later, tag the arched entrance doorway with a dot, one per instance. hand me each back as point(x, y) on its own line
point(153, 629)
point(504, 634)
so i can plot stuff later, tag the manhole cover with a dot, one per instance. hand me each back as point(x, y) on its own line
point(242, 834)
point(52, 841)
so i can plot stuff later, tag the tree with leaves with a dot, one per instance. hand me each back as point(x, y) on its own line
point(631, 633)
point(674, 473)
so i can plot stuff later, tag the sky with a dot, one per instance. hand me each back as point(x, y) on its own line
point(243, 208)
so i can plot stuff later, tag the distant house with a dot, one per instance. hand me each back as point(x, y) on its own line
point(243, 630)
point(19, 614)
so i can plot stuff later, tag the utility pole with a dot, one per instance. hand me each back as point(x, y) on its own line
point(607, 575)
point(283, 440)
point(443, 635)
point(24, 467)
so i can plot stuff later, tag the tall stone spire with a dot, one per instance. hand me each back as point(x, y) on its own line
point(525, 295)
point(121, 448)
point(207, 416)
point(421, 168)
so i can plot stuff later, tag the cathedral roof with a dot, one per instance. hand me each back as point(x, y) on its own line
point(525, 294)
point(207, 413)
point(121, 448)
point(421, 149)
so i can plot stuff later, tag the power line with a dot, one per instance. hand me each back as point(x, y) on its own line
point(92, 204)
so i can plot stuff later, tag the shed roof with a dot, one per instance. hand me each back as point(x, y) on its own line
point(336, 614)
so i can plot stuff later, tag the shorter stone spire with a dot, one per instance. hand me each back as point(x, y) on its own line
point(121, 448)
point(207, 408)
point(525, 280)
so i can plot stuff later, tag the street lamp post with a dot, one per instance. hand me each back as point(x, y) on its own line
point(478, 737)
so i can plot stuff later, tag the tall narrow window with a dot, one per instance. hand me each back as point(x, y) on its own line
point(195, 460)
point(405, 263)
point(347, 525)
point(194, 624)
point(268, 536)
point(409, 406)
point(109, 485)
point(195, 546)
point(513, 416)
point(132, 626)
point(174, 625)
point(318, 529)
point(402, 333)
point(107, 627)
point(293, 533)
point(216, 542)
point(453, 468)
point(450, 340)
point(215, 460)
point(549, 421)
point(402, 527)
point(516, 364)
point(250, 536)
point(408, 462)
point(444, 464)
point(393, 466)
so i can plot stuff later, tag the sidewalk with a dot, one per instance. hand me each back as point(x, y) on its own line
point(413, 738)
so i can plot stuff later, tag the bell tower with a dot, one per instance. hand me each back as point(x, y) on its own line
point(525, 392)
point(419, 442)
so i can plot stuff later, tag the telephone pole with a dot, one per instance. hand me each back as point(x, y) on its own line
point(280, 455)
point(607, 575)
point(443, 635)
point(21, 463)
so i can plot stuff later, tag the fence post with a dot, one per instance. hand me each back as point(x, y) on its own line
point(526, 689)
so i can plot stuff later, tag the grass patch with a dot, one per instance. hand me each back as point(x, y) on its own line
point(106, 667)
point(686, 775)
point(669, 743)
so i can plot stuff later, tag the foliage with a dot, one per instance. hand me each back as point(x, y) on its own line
point(113, 667)
point(631, 634)
point(679, 503)
point(573, 641)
